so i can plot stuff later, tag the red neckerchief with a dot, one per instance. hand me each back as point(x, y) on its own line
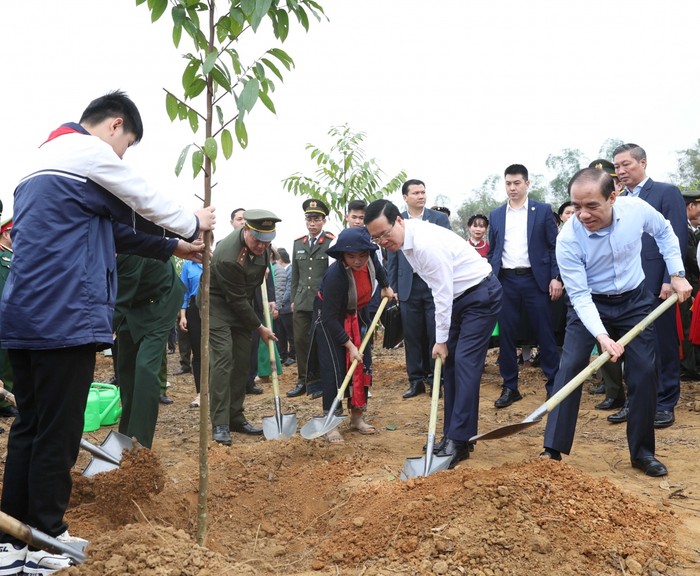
point(60, 131)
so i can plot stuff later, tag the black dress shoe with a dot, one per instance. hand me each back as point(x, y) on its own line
point(165, 400)
point(610, 404)
point(182, 371)
point(8, 412)
point(621, 416)
point(551, 454)
point(437, 446)
point(650, 466)
point(298, 390)
point(507, 397)
point(458, 449)
point(253, 389)
point(222, 435)
point(289, 362)
point(316, 395)
point(662, 418)
point(600, 389)
point(441, 444)
point(414, 388)
point(247, 428)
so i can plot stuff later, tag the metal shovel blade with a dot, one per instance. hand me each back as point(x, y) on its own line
point(430, 463)
point(320, 425)
point(279, 426)
point(416, 467)
point(108, 455)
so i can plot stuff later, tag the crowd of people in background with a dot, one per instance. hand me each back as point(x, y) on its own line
point(563, 281)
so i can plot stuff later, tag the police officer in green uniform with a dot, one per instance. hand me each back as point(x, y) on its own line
point(690, 362)
point(6, 410)
point(237, 269)
point(149, 297)
point(309, 264)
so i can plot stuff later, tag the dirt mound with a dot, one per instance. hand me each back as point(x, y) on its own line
point(301, 507)
point(147, 550)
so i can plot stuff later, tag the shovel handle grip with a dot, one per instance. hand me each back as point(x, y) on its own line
point(435, 396)
point(577, 380)
point(365, 340)
point(270, 343)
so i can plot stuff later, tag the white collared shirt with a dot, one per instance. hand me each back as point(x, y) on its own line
point(515, 254)
point(637, 189)
point(447, 263)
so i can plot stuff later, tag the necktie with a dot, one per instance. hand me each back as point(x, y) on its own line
point(312, 242)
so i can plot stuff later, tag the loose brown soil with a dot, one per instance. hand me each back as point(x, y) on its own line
point(301, 507)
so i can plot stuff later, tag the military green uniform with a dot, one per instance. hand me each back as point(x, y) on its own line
point(235, 274)
point(149, 297)
point(5, 368)
point(309, 264)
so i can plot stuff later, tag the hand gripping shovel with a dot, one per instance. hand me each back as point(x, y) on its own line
point(322, 424)
point(577, 380)
point(279, 426)
point(425, 465)
point(34, 537)
point(106, 457)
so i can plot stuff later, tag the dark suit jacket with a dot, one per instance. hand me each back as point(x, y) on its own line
point(541, 241)
point(667, 199)
point(398, 269)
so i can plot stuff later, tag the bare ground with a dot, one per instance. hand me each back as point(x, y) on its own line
point(301, 507)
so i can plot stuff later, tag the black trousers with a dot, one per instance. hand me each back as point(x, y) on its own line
point(51, 388)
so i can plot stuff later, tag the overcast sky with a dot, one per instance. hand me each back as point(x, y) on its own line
point(450, 91)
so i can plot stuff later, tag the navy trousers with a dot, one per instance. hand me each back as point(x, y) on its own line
point(619, 315)
point(668, 361)
point(521, 292)
point(474, 317)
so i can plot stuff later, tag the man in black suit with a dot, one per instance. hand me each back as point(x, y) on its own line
point(630, 162)
point(522, 240)
point(417, 307)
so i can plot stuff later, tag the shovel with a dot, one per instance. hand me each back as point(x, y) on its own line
point(425, 465)
point(320, 425)
point(577, 380)
point(279, 426)
point(106, 457)
point(34, 537)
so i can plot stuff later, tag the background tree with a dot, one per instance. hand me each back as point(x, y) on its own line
point(688, 175)
point(343, 174)
point(564, 166)
point(607, 148)
point(217, 90)
point(488, 196)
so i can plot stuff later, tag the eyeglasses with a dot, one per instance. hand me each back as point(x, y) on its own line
point(314, 218)
point(379, 239)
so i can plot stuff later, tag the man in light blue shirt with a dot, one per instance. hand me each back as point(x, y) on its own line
point(598, 253)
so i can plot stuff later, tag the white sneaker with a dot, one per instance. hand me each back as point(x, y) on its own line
point(42, 563)
point(12, 559)
point(74, 540)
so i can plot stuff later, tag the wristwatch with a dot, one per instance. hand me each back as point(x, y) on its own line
point(680, 274)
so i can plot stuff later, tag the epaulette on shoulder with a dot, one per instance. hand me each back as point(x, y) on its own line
point(330, 235)
point(242, 255)
point(302, 238)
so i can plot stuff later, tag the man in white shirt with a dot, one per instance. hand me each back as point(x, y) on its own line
point(467, 300)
